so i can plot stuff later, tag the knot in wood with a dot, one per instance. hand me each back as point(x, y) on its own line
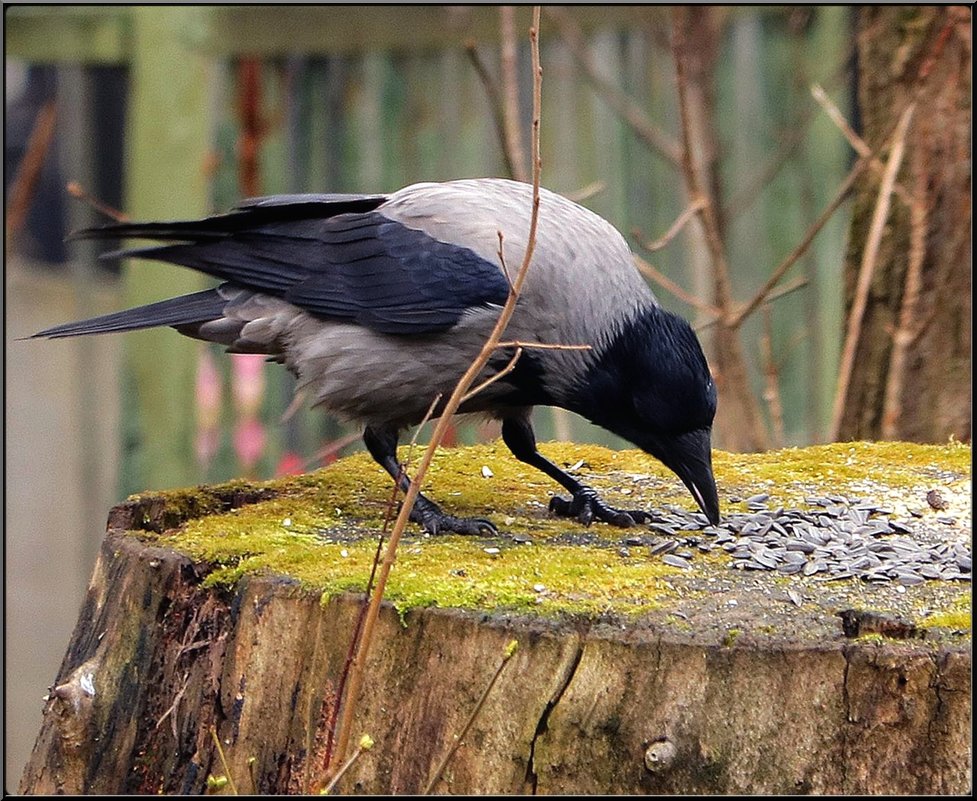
point(660, 755)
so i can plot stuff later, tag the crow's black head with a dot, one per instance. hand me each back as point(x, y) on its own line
point(652, 386)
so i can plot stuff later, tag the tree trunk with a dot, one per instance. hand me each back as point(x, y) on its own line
point(918, 390)
point(172, 651)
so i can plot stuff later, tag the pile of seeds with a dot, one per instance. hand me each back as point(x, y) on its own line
point(835, 539)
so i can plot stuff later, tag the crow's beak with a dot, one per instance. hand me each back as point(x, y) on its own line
point(690, 456)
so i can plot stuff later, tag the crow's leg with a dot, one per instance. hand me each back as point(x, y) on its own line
point(585, 505)
point(382, 445)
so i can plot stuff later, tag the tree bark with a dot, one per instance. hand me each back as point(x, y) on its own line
point(919, 391)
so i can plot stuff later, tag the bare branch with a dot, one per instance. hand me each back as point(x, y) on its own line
point(794, 133)
point(76, 190)
point(436, 776)
point(787, 289)
point(586, 192)
point(220, 753)
point(791, 259)
point(29, 169)
point(667, 283)
point(858, 144)
point(501, 253)
point(359, 662)
point(510, 94)
point(673, 231)
point(771, 389)
point(365, 744)
point(699, 197)
point(493, 378)
point(495, 104)
point(518, 343)
point(619, 102)
point(834, 113)
point(867, 268)
point(908, 326)
point(740, 421)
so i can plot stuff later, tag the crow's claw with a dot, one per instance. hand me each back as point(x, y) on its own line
point(435, 522)
point(586, 506)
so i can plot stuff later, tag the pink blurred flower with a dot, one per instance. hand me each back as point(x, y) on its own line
point(248, 382)
point(249, 441)
point(208, 401)
point(291, 464)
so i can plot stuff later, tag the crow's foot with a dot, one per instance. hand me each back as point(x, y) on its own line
point(435, 522)
point(586, 506)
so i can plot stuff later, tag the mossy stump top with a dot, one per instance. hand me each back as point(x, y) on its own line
point(632, 675)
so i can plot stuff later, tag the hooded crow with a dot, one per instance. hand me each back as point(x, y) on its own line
point(378, 303)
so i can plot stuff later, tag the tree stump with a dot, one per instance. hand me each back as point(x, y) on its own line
point(230, 610)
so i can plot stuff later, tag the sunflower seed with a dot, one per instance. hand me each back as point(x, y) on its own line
point(666, 546)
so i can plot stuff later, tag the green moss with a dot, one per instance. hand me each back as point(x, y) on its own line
point(731, 636)
point(446, 571)
point(958, 616)
point(844, 467)
point(872, 638)
point(320, 529)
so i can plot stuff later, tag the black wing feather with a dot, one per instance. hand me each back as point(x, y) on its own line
point(333, 256)
point(246, 215)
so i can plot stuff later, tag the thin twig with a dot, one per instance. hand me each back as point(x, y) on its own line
point(510, 94)
point(673, 231)
point(357, 670)
point(518, 343)
point(834, 114)
point(858, 144)
point(254, 779)
point(29, 169)
point(176, 702)
point(745, 196)
point(501, 254)
point(495, 103)
point(495, 377)
point(622, 104)
point(771, 390)
point(355, 641)
point(76, 190)
point(795, 131)
point(703, 202)
point(361, 617)
point(908, 327)
point(220, 753)
point(560, 420)
point(510, 649)
point(413, 440)
point(333, 447)
point(365, 744)
point(667, 283)
point(766, 290)
point(586, 192)
point(867, 268)
point(798, 283)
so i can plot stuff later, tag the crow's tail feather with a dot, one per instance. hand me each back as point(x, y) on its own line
point(198, 307)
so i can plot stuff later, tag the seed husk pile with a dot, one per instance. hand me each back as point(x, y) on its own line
point(835, 538)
